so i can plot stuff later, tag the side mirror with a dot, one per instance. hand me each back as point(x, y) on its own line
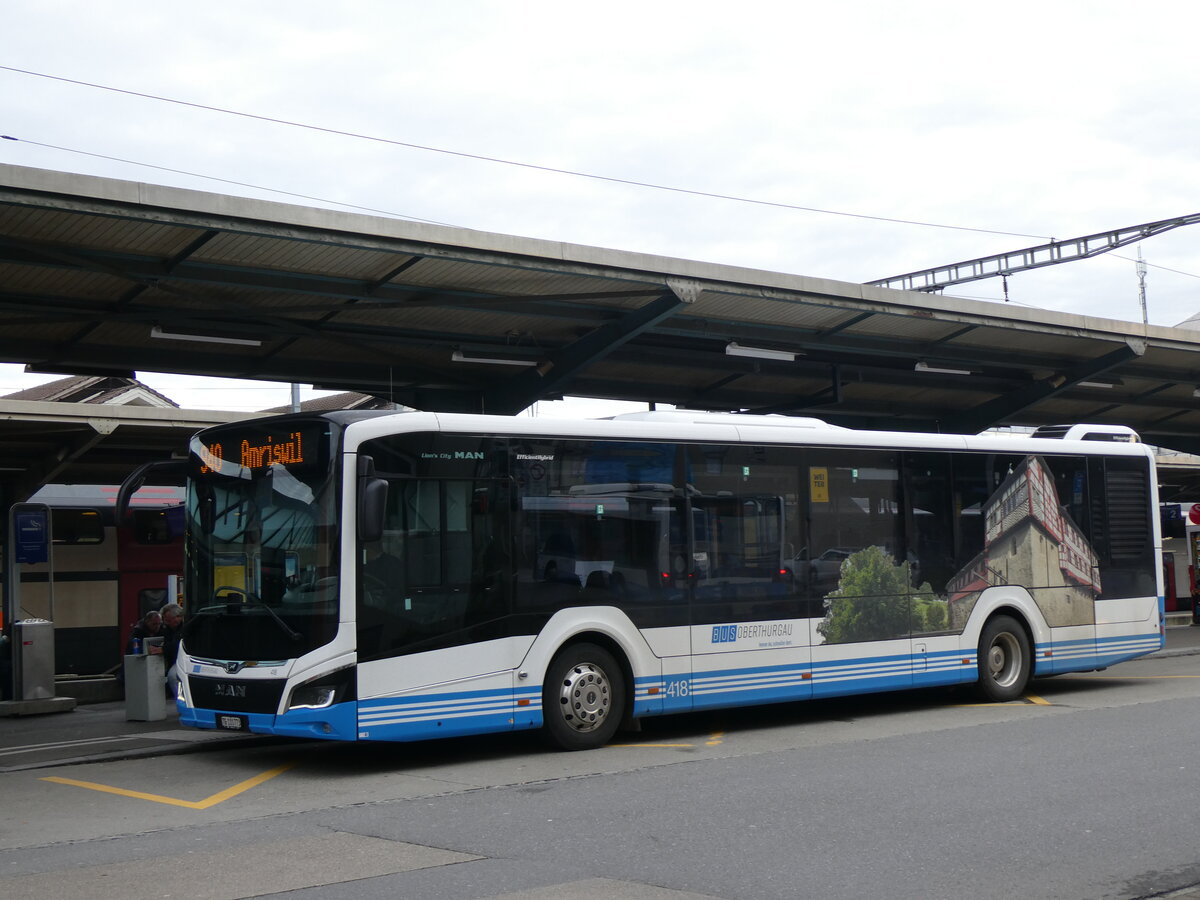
point(372, 501)
point(172, 471)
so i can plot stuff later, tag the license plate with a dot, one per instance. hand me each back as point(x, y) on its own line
point(232, 723)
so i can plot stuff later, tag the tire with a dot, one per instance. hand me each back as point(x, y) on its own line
point(1005, 660)
point(583, 699)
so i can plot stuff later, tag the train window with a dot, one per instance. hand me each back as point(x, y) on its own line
point(150, 526)
point(77, 526)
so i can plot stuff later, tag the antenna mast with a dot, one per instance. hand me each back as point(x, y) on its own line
point(1141, 274)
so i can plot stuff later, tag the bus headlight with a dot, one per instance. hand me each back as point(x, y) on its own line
point(313, 697)
point(323, 692)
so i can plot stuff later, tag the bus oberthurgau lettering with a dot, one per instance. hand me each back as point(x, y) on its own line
point(724, 634)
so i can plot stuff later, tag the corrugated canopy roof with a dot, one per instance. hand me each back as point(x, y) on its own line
point(88, 443)
point(99, 276)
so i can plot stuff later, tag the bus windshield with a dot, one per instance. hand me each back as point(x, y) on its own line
point(261, 572)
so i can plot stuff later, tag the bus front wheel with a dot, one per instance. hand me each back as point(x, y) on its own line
point(583, 699)
point(1005, 660)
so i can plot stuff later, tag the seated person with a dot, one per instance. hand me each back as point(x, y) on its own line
point(149, 626)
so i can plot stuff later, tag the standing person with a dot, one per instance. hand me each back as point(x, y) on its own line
point(172, 631)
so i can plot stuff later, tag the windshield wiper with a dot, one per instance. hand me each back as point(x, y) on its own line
point(235, 608)
point(287, 629)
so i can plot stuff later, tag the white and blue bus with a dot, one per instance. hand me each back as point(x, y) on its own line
point(404, 576)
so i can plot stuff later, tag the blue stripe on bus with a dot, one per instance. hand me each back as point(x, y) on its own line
point(469, 712)
point(750, 686)
point(446, 714)
point(649, 696)
point(335, 722)
point(1086, 654)
point(422, 716)
point(260, 723)
point(832, 678)
point(836, 677)
point(826, 678)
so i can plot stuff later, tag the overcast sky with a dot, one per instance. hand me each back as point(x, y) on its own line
point(1036, 120)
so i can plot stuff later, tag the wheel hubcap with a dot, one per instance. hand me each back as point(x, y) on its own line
point(585, 697)
point(1004, 660)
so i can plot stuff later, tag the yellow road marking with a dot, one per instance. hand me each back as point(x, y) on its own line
point(1027, 700)
point(715, 739)
point(219, 797)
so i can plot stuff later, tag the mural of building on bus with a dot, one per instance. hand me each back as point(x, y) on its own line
point(1028, 540)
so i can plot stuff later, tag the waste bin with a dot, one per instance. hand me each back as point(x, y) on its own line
point(145, 694)
point(33, 658)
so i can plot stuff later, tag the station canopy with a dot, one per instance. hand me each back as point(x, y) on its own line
point(100, 276)
point(43, 443)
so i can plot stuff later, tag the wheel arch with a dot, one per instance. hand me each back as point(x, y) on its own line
point(1007, 600)
point(606, 627)
point(1015, 613)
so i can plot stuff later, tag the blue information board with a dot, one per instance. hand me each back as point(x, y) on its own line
point(32, 527)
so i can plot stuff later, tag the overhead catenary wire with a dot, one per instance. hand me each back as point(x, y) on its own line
point(507, 162)
point(479, 157)
point(245, 184)
point(1155, 265)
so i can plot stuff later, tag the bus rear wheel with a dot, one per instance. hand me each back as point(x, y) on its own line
point(1005, 660)
point(583, 699)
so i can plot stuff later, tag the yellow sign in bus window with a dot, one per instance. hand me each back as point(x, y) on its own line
point(818, 484)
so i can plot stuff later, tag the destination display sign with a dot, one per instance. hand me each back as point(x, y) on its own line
point(294, 446)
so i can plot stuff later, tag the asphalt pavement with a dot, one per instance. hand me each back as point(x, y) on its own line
point(98, 732)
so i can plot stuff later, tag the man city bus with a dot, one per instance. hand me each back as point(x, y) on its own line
point(402, 576)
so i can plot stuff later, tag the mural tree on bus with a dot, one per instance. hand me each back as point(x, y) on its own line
point(875, 601)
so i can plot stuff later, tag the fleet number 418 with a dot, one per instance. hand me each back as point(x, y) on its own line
point(678, 688)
